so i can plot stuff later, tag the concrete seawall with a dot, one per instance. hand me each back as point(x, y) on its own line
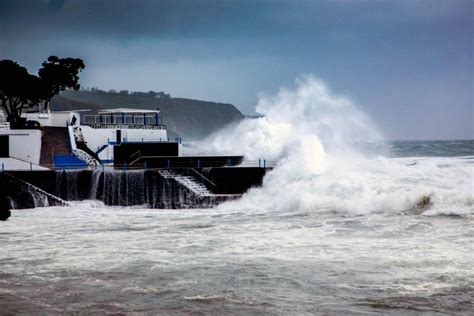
point(158, 188)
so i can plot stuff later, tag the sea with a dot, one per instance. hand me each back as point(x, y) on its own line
point(394, 235)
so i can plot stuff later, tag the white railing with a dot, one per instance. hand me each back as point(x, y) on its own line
point(82, 155)
point(79, 153)
point(77, 133)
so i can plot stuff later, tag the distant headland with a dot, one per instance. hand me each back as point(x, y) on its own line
point(186, 118)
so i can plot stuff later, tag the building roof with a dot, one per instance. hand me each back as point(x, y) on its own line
point(127, 110)
point(71, 111)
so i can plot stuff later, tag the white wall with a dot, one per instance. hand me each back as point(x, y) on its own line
point(43, 118)
point(96, 138)
point(25, 144)
point(58, 119)
point(15, 164)
point(136, 135)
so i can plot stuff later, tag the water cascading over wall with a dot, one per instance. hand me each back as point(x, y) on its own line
point(128, 188)
point(77, 185)
point(22, 194)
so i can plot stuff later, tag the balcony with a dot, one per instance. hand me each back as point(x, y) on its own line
point(136, 120)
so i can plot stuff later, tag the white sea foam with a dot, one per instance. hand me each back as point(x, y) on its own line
point(309, 131)
point(370, 185)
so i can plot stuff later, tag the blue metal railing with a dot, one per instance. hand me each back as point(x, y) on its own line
point(100, 149)
point(66, 162)
point(142, 140)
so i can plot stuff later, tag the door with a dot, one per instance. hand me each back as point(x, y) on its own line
point(119, 136)
point(4, 146)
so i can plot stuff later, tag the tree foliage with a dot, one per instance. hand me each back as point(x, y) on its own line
point(61, 73)
point(21, 90)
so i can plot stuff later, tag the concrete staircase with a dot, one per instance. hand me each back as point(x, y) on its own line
point(55, 141)
point(81, 150)
point(187, 181)
point(47, 198)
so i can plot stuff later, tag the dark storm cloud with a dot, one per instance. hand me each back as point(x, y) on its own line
point(304, 26)
point(56, 4)
point(270, 27)
point(210, 18)
point(410, 57)
point(129, 19)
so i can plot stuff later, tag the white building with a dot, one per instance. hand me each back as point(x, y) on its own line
point(55, 118)
point(112, 126)
point(65, 139)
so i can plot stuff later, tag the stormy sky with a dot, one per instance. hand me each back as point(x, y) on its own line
point(408, 64)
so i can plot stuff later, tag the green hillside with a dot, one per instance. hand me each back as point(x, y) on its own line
point(191, 119)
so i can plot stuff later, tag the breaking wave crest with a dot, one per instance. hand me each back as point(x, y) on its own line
point(429, 186)
point(311, 133)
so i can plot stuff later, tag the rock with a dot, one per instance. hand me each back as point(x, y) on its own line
point(4, 208)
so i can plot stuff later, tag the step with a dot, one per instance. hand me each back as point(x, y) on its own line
point(189, 182)
point(55, 140)
point(39, 190)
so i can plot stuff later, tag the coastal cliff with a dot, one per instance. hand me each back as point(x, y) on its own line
point(190, 119)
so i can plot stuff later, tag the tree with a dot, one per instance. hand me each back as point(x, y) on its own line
point(20, 90)
point(61, 73)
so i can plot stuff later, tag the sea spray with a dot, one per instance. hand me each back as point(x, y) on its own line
point(312, 133)
point(310, 110)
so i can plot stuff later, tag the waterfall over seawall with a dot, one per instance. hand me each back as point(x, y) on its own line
point(157, 188)
point(122, 188)
point(128, 188)
point(23, 194)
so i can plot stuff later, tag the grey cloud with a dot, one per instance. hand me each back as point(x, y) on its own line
point(390, 55)
point(56, 5)
point(210, 18)
point(124, 19)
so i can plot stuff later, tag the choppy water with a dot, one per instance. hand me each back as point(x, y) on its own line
point(239, 259)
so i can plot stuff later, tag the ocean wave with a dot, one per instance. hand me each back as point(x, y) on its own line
point(315, 136)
